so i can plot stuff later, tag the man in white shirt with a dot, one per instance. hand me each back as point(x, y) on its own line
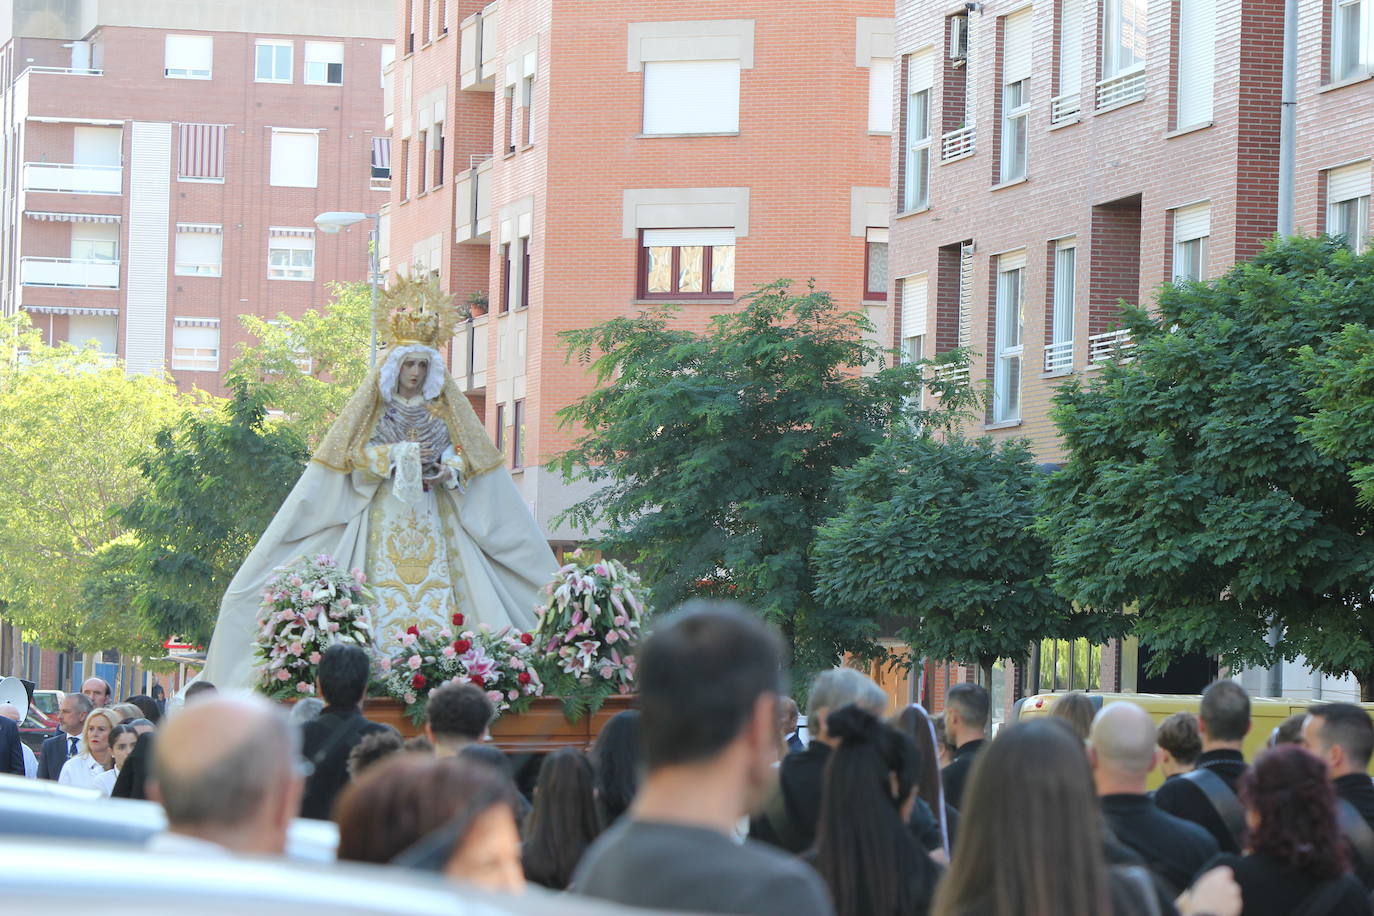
point(30, 761)
point(226, 771)
point(66, 744)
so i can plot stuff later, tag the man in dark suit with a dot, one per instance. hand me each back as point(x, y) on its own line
point(66, 744)
point(330, 737)
point(11, 755)
point(1342, 735)
point(1207, 795)
point(967, 710)
point(790, 716)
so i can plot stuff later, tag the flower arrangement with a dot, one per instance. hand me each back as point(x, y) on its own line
point(588, 631)
point(307, 606)
point(415, 662)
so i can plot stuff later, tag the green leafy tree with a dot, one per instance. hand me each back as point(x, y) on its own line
point(714, 453)
point(209, 487)
point(1190, 491)
point(1342, 397)
point(308, 367)
point(72, 423)
point(935, 534)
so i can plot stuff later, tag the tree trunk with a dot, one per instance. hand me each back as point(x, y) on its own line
point(1366, 682)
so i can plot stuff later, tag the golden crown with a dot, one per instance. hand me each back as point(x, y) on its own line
point(416, 311)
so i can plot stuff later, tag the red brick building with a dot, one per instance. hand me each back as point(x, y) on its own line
point(576, 162)
point(164, 163)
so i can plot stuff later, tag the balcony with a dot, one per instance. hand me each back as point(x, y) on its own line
point(1065, 108)
point(73, 179)
point(1122, 89)
point(1059, 356)
point(64, 71)
point(477, 52)
point(1111, 345)
point(958, 143)
point(472, 201)
point(69, 272)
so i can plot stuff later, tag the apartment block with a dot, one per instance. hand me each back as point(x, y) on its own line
point(567, 163)
point(163, 164)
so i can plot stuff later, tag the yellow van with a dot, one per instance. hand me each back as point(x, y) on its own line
point(1266, 713)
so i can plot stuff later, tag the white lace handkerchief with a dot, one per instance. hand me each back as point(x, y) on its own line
point(409, 486)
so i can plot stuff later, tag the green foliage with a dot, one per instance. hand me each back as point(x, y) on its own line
point(72, 423)
point(714, 453)
point(308, 367)
point(1190, 492)
point(935, 535)
point(1342, 398)
point(211, 485)
point(110, 594)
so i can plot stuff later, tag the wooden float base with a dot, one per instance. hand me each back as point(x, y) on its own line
point(539, 729)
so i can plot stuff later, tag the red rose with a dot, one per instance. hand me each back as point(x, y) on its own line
point(457, 620)
point(419, 681)
point(524, 677)
point(413, 630)
point(526, 638)
point(461, 645)
point(478, 680)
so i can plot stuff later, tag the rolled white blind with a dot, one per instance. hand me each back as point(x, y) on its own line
point(198, 247)
point(877, 234)
point(913, 293)
point(1014, 260)
point(691, 96)
point(663, 238)
point(189, 52)
point(186, 338)
point(295, 159)
point(920, 72)
point(880, 94)
point(1347, 182)
point(1070, 46)
point(1016, 47)
point(1193, 222)
point(1065, 283)
point(1197, 34)
point(324, 52)
point(103, 329)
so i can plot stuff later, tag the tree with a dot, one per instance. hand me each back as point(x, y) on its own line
point(1342, 398)
point(936, 534)
point(714, 453)
point(210, 486)
point(1190, 492)
point(307, 367)
point(71, 425)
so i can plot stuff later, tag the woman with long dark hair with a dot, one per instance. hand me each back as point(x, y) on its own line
point(618, 760)
point(864, 849)
point(564, 820)
point(1295, 858)
point(933, 821)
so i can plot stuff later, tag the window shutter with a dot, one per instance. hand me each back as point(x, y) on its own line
point(877, 234)
point(1070, 46)
point(195, 337)
point(1193, 222)
point(1065, 283)
point(201, 153)
point(295, 159)
point(691, 96)
point(103, 329)
point(1016, 47)
point(198, 248)
point(662, 238)
point(1197, 32)
point(1347, 182)
point(920, 71)
point(914, 304)
point(97, 145)
point(324, 52)
point(880, 94)
point(1015, 260)
point(189, 52)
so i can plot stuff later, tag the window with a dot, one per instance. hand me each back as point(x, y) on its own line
point(875, 264)
point(512, 113)
point(501, 428)
point(405, 170)
point(506, 277)
point(1350, 39)
point(691, 97)
point(517, 439)
point(291, 254)
point(1197, 35)
point(1016, 66)
point(422, 173)
point(199, 250)
point(1067, 664)
point(324, 63)
point(195, 345)
point(410, 26)
point(1347, 204)
point(880, 95)
point(916, 174)
point(912, 293)
point(525, 272)
point(527, 109)
point(103, 330)
point(273, 62)
point(188, 57)
point(1059, 352)
point(97, 242)
point(686, 263)
point(437, 135)
point(97, 145)
point(381, 157)
point(1069, 69)
point(1006, 380)
point(959, 90)
point(1192, 226)
point(201, 152)
point(295, 159)
point(1123, 36)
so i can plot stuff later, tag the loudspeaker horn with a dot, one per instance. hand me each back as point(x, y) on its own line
point(13, 693)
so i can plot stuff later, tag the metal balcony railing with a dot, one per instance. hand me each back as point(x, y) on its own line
point(1121, 89)
point(958, 143)
point(1111, 345)
point(1059, 356)
point(1066, 107)
point(84, 274)
point(72, 178)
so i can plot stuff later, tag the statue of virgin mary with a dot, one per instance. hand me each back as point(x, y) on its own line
point(406, 486)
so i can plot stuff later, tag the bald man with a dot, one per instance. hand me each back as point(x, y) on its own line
point(30, 761)
point(226, 772)
point(98, 690)
point(1122, 749)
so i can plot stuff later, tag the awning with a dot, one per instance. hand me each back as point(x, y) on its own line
point(213, 228)
point(299, 233)
point(196, 322)
point(69, 310)
point(47, 217)
point(381, 152)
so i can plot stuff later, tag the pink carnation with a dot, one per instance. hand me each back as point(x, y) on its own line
point(314, 658)
point(449, 651)
point(415, 662)
point(408, 639)
point(283, 675)
point(296, 649)
point(514, 695)
point(302, 687)
point(385, 663)
point(296, 581)
point(611, 637)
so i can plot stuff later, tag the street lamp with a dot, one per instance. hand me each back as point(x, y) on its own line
point(336, 220)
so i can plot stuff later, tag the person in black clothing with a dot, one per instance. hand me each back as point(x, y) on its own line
point(1343, 737)
point(1223, 722)
point(1180, 745)
point(1296, 861)
point(330, 738)
point(618, 758)
point(934, 831)
point(1122, 752)
point(564, 820)
point(967, 709)
point(789, 815)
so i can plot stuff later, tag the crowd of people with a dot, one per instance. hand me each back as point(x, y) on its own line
point(709, 799)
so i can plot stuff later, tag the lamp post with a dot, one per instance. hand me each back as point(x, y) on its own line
point(336, 220)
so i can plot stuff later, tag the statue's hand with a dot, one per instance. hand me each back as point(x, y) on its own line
point(443, 475)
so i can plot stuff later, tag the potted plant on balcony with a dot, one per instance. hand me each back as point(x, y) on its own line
point(477, 303)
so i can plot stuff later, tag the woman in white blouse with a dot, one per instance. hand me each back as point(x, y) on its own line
point(95, 759)
point(122, 740)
